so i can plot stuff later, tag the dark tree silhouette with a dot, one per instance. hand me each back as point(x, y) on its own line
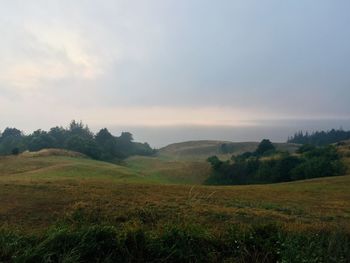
point(320, 138)
point(264, 146)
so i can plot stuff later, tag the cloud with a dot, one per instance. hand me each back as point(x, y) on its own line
point(173, 62)
point(35, 57)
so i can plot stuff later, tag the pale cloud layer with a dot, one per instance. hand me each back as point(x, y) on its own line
point(176, 62)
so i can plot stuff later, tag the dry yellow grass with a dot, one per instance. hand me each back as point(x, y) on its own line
point(53, 152)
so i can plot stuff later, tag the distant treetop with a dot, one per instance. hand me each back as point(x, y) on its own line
point(320, 138)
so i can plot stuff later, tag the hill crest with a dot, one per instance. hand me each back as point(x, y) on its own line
point(204, 148)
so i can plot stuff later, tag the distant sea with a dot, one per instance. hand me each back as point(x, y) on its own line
point(275, 130)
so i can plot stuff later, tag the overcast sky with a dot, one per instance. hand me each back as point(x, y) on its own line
point(173, 62)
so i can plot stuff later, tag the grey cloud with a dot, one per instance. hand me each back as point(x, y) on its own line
point(290, 56)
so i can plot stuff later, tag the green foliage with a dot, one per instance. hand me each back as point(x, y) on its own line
point(40, 140)
point(107, 144)
point(15, 151)
point(306, 148)
point(84, 145)
point(243, 156)
point(11, 140)
point(248, 168)
point(264, 147)
point(11, 132)
point(215, 162)
point(77, 137)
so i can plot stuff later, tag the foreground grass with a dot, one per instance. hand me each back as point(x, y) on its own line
point(175, 243)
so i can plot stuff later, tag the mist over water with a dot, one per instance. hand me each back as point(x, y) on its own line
point(275, 130)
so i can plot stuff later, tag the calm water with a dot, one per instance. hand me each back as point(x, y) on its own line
point(277, 131)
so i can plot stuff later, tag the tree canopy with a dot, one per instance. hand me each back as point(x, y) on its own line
point(264, 146)
point(77, 137)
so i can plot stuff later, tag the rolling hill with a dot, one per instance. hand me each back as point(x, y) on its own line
point(55, 164)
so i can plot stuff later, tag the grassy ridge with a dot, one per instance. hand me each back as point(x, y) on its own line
point(200, 150)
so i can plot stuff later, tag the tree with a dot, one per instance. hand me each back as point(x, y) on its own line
point(79, 129)
point(126, 137)
point(40, 140)
point(264, 146)
point(60, 135)
point(11, 132)
point(77, 137)
point(306, 148)
point(107, 143)
point(84, 145)
point(320, 138)
point(242, 157)
point(15, 151)
point(124, 144)
point(215, 162)
point(10, 139)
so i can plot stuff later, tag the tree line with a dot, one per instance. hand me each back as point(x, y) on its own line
point(77, 137)
point(320, 138)
point(266, 165)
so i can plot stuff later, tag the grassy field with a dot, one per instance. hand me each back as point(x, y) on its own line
point(39, 191)
point(36, 191)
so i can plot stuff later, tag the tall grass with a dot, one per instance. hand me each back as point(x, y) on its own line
point(173, 243)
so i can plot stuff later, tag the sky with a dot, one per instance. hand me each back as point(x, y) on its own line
point(197, 68)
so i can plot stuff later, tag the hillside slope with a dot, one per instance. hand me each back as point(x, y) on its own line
point(46, 167)
point(65, 165)
point(168, 170)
